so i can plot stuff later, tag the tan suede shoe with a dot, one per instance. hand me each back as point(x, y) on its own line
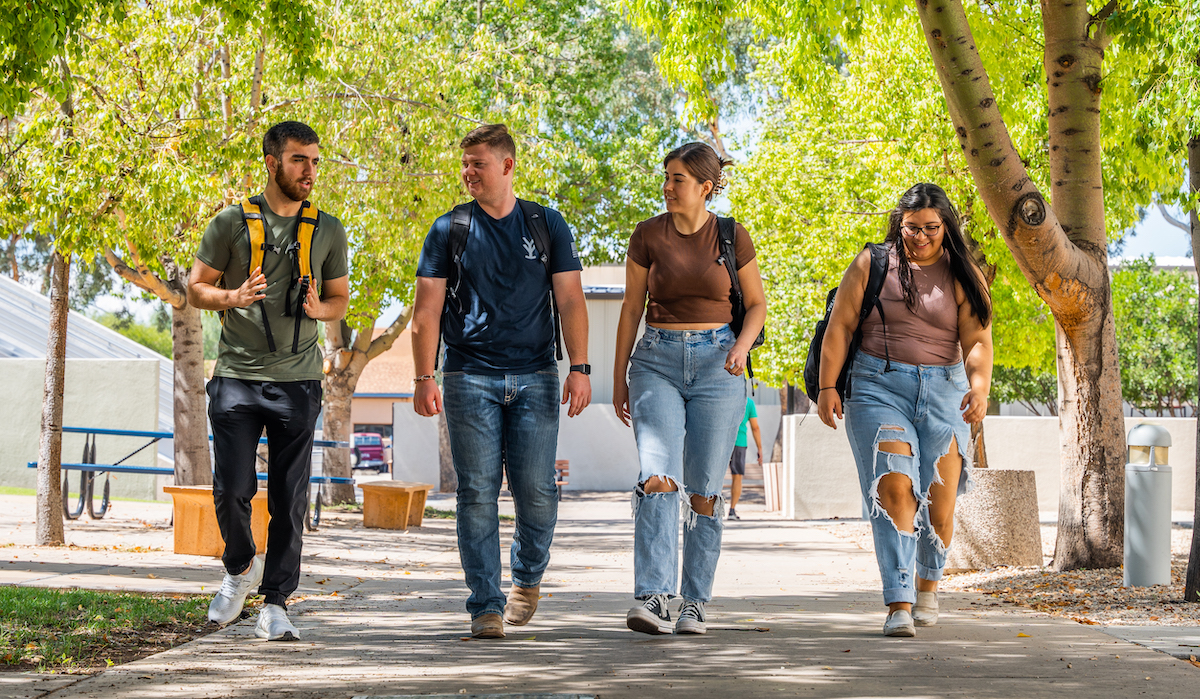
point(487, 626)
point(522, 603)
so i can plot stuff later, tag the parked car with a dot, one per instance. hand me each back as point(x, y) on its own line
point(368, 452)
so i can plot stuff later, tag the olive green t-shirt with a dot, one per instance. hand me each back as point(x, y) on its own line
point(243, 352)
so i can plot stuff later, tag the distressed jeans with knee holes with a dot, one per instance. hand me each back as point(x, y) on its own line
point(686, 410)
point(919, 406)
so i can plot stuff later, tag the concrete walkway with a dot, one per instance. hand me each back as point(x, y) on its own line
point(797, 613)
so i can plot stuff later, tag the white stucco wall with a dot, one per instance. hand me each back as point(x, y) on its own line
point(824, 479)
point(108, 393)
point(601, 449)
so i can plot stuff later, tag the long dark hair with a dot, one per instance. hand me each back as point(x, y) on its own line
point(962, 264)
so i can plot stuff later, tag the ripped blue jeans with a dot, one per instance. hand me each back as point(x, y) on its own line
point(686, 410)
point(917, 405)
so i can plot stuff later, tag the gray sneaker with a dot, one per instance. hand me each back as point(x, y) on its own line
point(273, 624)
point(651, 617)
point(925, 611)
point(691, 618)
point(226, 605)
point(899, 623)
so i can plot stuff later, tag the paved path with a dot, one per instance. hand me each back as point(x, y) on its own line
point(797, 613)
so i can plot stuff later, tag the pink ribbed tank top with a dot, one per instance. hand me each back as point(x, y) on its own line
point(928, 334)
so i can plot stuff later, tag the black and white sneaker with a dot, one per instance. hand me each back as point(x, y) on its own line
point(651, 617)
point(691, 618)
point(733, 514)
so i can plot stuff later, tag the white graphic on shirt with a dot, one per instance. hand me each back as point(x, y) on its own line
point(530, 249)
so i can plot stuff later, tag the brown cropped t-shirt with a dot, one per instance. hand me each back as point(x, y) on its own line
point(686, 283)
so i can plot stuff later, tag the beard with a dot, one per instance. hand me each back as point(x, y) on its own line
point(290, 187)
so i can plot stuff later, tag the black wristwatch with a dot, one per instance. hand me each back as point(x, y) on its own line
point(584, 369)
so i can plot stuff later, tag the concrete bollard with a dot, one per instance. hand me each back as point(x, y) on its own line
point(1147, 507)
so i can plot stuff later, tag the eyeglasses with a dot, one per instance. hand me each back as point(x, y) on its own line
point(913, 231)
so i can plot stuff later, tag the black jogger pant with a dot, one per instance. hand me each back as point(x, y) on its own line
point(238, 410)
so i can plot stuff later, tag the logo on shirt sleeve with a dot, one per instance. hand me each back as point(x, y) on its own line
point(530, 248)
point(574, 250)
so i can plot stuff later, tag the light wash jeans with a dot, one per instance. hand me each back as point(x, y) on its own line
point(497, 423)
point(686, 410)
point(919, 405)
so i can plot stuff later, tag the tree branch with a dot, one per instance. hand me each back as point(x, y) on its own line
point(143, 278)
point(384, 342)
point(1181, 225)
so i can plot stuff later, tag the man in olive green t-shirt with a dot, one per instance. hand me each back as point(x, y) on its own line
point(268, 372)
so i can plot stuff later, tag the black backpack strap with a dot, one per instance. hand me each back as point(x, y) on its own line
point(725, 235)
point(460, 228)
point(879, 268)
point(535, 222)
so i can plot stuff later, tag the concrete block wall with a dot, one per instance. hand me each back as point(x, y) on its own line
point(108, 393)
point(824, 479)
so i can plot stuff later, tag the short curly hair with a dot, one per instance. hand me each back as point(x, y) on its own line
point(276, 137)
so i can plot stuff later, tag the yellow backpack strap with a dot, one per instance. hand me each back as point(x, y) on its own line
point(309, 215)
point(252, 216)
point(301, 251)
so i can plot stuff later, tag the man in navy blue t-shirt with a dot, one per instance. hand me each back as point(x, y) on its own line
point(499, 371)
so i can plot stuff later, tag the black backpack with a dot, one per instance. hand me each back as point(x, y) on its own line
point(812, 364)
point(535, 223)
point(725, 236)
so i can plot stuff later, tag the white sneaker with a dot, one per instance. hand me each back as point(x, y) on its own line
point(925, 611)
point(899, 623)
point(273, 624)
point(226, 606)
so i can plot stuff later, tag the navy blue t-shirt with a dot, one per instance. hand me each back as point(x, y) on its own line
point(507, 327)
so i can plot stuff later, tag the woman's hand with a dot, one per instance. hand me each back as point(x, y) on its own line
point(621, 400)
point(829, 404)
point(735, 361)
point(974, 405)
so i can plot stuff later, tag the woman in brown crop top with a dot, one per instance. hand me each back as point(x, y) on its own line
point(920, 379)
point(685, 393)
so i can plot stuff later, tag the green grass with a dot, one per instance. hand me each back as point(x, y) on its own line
point(73, 497)
point(76, 630)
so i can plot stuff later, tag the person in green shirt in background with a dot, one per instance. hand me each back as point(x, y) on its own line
point(737, 462)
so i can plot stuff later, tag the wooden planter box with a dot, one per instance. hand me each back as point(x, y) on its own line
point(393, 504)
point(196, 530)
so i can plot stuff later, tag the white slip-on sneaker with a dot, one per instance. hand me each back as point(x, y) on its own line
point(691, 618)
point(226, 605)
point(925, 611)
point(273, 624)
point(899, 623)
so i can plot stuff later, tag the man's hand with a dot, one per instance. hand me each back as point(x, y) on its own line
point(253, 289)
point(578, 390)
point(313, 305)
point(427, 398)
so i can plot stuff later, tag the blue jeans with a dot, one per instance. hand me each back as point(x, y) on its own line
point(686, 410)
point(918, 405)
point(500, 423)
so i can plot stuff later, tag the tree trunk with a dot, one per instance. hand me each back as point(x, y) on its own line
point(1060, 250)
point(977, 450)
point(345, 359)
point(339, 391)
point(447, 476)
point(192, 464)
point(1191, 591)
point(49, 471)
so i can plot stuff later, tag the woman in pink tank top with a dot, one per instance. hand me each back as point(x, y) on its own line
point(919, 379)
